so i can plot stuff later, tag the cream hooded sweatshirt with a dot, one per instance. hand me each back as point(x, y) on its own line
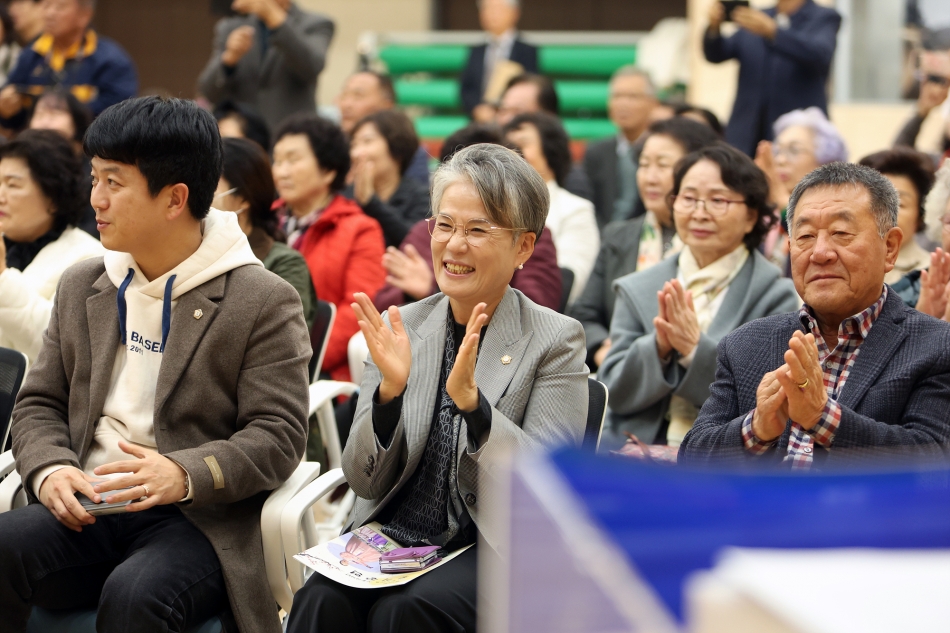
point(146, 310)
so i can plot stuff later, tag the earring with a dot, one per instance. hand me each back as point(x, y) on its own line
point(520, 266)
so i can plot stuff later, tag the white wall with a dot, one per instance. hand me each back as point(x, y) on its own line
point(353, 17)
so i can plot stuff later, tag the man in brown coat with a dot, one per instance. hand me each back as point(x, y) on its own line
point(174, 371)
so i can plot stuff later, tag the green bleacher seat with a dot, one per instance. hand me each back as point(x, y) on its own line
point(434, 93)
point(582, 95)
point(580, 77)
point(585, 61)
point(424, 59)
point(434, 127)
point(437, 127)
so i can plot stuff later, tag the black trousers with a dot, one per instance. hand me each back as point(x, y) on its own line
point(442, 601)
point(146, 571)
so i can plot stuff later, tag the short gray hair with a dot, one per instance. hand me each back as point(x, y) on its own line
point(829, 146)
point(884, 199)
point(936, 205)
point(514, 194)
point(632, 70)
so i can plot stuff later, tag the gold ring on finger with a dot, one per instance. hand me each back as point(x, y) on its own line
point(145, 488)
point(802, 386)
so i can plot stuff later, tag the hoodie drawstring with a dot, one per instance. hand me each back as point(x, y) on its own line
point(120, 300)
point(166, 308)
point(167, 311)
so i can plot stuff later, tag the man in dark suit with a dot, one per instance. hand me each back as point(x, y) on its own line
point(611, 164)
point(855, 374)
point(784, 58)
point(268, 57)
point(498, 18)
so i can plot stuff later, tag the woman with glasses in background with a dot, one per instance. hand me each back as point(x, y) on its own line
point(454, 384)
point(804, 141)
point(669, 318)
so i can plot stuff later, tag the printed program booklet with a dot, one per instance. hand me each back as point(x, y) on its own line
point(352, 559)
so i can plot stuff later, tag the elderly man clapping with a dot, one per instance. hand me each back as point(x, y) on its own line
point(854, 373)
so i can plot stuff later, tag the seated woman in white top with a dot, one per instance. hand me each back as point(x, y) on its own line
point(571, 220)
point(41, 199)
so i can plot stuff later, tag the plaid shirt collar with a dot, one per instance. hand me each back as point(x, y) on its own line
point(856, 326)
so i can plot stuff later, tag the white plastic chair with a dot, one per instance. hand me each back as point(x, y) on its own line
point(299, 531)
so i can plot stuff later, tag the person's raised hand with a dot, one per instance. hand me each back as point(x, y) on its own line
point(717, 15)
point(270, 12)
point(408, 271)
point(165, 479)
point(601, 352)
point(771, 407)
point(239, 42)
point(58, 494)
point(389, 347)
point(764, 160)
point(364, 177)
point(681, 325)
point(661, 324)
point(461, 385)
point(755, 21)
point(484, 113)
point(804, 381)
point(10, 102)
point(934, 285)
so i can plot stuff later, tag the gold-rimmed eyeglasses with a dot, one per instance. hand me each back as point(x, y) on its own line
point(686, 203)
point(476, 232)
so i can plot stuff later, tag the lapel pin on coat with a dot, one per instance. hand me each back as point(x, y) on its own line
point(198, 314)
point(506, 359)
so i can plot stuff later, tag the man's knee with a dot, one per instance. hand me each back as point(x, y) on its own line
point(24, 529)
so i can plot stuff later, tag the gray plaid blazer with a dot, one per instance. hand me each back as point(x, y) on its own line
point(896, 398)
point(539, 399)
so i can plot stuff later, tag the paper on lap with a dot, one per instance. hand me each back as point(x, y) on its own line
point(352, 559)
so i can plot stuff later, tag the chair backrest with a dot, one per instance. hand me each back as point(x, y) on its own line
point(12, 369)
point(320, 335)
point(567, 283)
point(596, 412)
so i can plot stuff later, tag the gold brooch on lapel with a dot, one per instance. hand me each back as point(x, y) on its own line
point(199, 314)
point(506, 359)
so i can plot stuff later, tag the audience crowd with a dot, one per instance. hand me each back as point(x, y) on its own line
point(746, 294)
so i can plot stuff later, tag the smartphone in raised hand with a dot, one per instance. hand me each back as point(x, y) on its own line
point(730, 5)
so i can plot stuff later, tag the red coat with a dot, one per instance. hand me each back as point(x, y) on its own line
point(344, 251)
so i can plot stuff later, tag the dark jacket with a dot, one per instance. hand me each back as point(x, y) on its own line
point(619, 250)
point(895, 399)
point(473, 77)
point(600, 163)
point(278, 80)
point(539, 280)
point(290, 266)
point(233, 386)
point(778, 76)
point(100, 75)
point(408, 205)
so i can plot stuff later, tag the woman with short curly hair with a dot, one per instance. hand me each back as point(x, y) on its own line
point(41, 200)
point(669, 318)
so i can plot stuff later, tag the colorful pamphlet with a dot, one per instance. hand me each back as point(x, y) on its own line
point(354, 559)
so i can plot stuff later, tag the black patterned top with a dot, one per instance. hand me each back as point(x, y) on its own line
point(429, 509)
